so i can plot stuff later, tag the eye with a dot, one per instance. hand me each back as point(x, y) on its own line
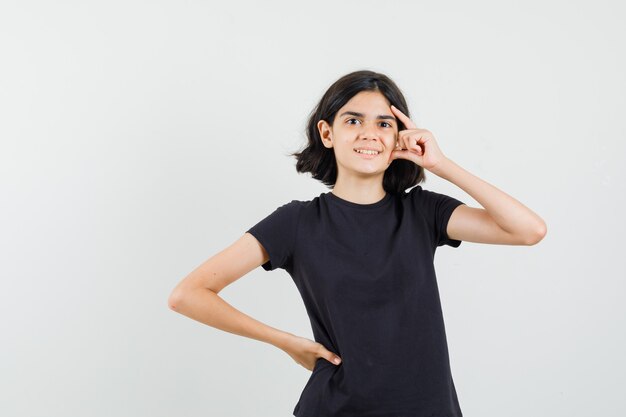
point(386, 124)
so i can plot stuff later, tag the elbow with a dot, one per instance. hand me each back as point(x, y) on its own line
point(540, 232)
point(175, 300)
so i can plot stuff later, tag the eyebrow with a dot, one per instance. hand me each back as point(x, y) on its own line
point(380, 116)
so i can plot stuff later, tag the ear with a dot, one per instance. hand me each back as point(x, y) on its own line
point(326, 133)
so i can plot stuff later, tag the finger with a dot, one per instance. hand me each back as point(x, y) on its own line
point(392, 155)
point(403, 118)
point(404, 140)
point(409, 156)
point(418, 139)
point(397, 154)
point(399, 142)
point(416, 145)
point(332, 358)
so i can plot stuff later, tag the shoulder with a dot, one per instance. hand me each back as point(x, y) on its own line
point(412, 193)
point(303, 205)
point(289, 211)
point(436, 207)
point(423, 196)
point(296, 206)
point(417, 196)
point(419, 192)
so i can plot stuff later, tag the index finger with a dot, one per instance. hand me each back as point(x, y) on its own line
point(403, 118)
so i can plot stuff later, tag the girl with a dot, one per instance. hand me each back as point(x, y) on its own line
point(361, 256)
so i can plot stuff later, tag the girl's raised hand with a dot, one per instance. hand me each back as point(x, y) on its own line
point(417, 145)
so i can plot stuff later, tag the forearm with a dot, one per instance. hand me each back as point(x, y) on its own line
point(207, 307)
point(510, 214)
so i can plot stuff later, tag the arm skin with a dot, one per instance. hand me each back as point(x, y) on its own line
point(503, 220)
point(197, 296)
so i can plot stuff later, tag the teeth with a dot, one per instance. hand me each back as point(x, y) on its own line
point(367, 152)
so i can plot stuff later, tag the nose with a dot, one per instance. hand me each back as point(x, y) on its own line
point(370, 130)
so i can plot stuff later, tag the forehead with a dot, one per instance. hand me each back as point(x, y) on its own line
point(373, 99)
point(368, 104)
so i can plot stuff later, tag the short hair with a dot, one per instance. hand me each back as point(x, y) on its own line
point(320, 161)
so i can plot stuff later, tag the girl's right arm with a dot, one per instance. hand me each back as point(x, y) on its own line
point(196, 297)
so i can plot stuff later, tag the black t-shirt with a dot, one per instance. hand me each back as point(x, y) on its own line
point(367, 279)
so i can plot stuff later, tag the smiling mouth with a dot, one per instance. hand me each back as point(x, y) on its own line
point(366, 152)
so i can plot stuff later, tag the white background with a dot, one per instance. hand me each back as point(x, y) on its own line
point(139, 138)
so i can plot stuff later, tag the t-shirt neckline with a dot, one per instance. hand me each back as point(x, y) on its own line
point(351, 204)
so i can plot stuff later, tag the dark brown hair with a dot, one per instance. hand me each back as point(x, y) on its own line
point(320, 161)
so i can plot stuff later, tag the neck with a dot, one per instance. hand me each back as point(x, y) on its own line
point(360, 191)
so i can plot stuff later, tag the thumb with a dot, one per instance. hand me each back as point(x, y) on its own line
point(393, 156)
point(331, 357)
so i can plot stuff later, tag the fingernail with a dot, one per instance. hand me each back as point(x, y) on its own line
point(336, 360)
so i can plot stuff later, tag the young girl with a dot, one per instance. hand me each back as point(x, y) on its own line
point(361, 256)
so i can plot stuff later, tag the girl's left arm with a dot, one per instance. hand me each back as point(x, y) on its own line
point(503, 220)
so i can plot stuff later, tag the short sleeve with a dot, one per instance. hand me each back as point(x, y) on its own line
point(277, 234)
point(437, 209)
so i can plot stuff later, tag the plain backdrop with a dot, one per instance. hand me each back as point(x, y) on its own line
point(139, 138)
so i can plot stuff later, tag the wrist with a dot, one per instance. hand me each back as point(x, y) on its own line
point(441, 167)
point(282, 340)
